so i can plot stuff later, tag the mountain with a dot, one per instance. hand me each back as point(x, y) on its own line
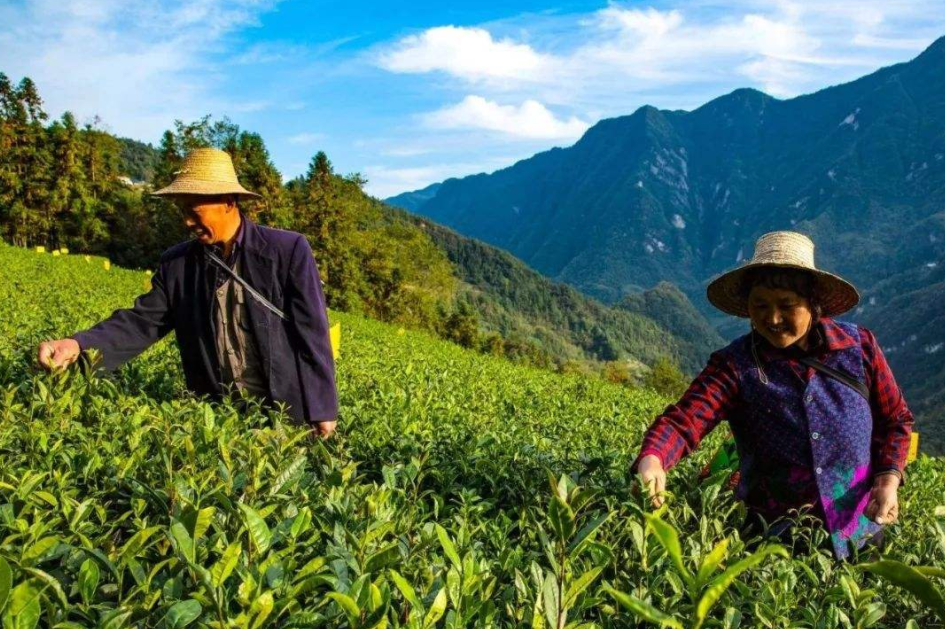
point(138, 160)
point(671, 309)
point(907, 312)
point(518, 302)
point(681, 196)
point(413, 200)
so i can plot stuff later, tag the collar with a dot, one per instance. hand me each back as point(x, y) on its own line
point(827, 337)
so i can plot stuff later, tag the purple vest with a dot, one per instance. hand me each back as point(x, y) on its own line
point(805, 442)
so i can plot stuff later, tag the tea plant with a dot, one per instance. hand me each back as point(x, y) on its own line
point(126, 502)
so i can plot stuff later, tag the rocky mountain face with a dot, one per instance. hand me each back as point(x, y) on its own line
point(681, 196)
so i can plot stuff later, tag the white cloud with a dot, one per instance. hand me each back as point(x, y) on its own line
point(306, 138)
point(385, 181)
point(530, 120)
point(139, 66)
point(471, 53)
point(648, 23)
point(596, 61)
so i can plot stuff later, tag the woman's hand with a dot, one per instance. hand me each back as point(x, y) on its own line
point(653, 477)
point(883, 505)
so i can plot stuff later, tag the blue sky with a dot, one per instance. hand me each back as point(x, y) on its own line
point(412, 93)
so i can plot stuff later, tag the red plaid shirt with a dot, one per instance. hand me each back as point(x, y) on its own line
point(683, 425)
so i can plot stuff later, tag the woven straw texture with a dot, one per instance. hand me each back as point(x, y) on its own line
point(783, 249)
point(206, 172)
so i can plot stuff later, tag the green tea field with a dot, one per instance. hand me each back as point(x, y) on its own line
point(461, 491)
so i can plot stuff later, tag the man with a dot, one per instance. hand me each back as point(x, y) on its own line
point(244, 300)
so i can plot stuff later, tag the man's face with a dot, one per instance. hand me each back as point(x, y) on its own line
point(781, 316)
point(207, 218)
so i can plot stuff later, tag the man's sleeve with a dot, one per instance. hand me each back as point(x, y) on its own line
point(892, 419)
point(683, 425)
point(130, 331)
point(308, 316)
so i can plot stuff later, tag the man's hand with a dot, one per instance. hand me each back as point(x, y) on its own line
point(883, 505)
point(324, 430)
point(653, 477)
point(61, 353)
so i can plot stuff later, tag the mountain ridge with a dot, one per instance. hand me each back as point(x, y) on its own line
point(681, 196)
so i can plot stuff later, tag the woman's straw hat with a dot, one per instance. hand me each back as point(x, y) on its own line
point(782, 249)
point(206, 171)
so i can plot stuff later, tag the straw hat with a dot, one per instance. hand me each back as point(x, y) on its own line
point(782, 249)
point(206, 171)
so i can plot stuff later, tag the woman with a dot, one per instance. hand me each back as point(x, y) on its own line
point(815, 411)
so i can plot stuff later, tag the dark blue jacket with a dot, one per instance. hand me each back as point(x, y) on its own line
point(295, 352)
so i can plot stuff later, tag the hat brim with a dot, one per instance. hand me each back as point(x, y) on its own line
point(204, 188)
point(836, 294)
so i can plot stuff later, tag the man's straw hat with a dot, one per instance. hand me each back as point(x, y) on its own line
point(789, 250)
point(206, 172)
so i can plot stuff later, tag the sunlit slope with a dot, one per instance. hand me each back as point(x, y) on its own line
point(123, 501)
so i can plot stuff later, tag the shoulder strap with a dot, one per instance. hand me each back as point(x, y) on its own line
point(846, 379)
point(252, 291)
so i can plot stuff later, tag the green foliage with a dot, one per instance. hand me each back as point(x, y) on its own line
point(665, 378)
point(65, 186)
point(124, 501)
point(371, 260)
point(703, 591)
point(915, 580)
point(518, 303)
point(671, 309)
point(139, 161)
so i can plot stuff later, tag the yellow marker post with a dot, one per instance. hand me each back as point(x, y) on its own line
point(334, 335)
point(107, 264)
point(40, 249)
point(88, 258)
point(64, 251)
point(913, 448)
point(55, 252)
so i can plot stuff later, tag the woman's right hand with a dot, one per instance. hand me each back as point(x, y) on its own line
point(653, 477)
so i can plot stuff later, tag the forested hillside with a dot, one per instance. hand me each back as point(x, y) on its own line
point(516, 301)
point(66, 185)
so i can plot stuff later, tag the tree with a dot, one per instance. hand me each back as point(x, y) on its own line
point(462, 326)
point(666, 378)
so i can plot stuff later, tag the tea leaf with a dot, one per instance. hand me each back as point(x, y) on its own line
point(6, 582)
point(182, 614)
point(88, 580)
point(259, 532)
point(911, 580)
point(448, 547)
point(436, 611)
point(644, 610)
point(223, 568)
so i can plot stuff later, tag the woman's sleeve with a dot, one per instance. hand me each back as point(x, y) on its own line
point(683, 425)
point(892, 419)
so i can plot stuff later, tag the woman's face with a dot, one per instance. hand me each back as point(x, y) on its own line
point(780, 315)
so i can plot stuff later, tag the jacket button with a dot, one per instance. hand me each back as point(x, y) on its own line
point(815, 435)
point(820, 470)
point(809, 398)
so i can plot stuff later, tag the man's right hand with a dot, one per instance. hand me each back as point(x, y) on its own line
point(653, 477)
point(61, 353)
